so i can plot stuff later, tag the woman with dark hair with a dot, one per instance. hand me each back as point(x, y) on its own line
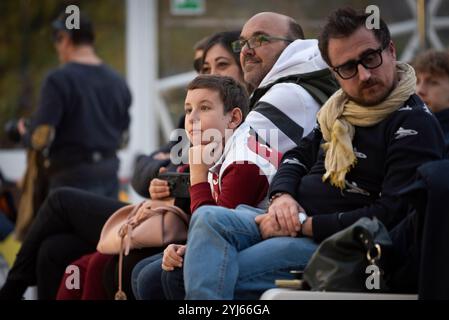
point(220, 59)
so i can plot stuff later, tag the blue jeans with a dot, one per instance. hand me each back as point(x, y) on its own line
point(226, 258)
point(150, 282)
point(146, 278)
point(173, 284)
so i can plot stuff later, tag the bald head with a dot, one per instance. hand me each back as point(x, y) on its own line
point(281, 24)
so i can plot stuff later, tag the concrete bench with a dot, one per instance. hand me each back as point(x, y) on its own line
point(289, 294)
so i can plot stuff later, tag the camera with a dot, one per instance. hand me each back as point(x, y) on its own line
point(12, 131)
point(178, 183)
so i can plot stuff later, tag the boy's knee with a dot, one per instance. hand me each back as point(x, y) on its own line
point(173, 284)
point(208, 215)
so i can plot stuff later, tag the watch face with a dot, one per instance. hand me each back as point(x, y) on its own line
point(302, 217)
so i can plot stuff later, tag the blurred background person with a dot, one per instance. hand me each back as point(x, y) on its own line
point(432, 85)
point(80, 123)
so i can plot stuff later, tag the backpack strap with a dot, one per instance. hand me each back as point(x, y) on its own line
point(283, 122)
point(319, 84)
point(317, 94)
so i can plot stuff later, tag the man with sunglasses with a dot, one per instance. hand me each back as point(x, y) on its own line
point(371, 137)
point(274, 55)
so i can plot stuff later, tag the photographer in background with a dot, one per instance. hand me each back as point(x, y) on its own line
point(80, 123)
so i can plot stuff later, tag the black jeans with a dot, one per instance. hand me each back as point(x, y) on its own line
point(67, 226)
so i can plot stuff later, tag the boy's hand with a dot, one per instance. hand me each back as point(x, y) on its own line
point(269, 227)
point(201, 158)
point(159, 189)
point(173, 257)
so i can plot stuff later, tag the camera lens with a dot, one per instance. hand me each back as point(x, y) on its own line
point(12, 131)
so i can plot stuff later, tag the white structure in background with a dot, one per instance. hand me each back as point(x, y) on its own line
point(142, 71)
point(434, 23)
point(148, 107)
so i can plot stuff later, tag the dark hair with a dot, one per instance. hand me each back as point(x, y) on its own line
point(433, 62)
point(225, 39)
point(199, 45)
point(294, 30)
point(83, 35)
point(344, 22)
point(231, 92)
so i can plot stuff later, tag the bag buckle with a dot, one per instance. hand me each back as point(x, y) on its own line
point(373, 259)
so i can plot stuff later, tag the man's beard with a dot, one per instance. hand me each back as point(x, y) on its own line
point(369, 103)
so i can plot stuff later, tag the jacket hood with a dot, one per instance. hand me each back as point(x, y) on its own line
point(301, 56)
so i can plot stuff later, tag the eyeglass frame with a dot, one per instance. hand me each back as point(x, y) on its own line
point(359, 61)
point(246, 42)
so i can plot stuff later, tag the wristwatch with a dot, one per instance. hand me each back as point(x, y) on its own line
point(276, 195)
point(302, 216)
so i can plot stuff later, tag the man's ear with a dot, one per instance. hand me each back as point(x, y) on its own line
point(392, 49)
point(236, 118)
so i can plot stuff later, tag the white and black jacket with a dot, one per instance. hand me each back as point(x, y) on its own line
point(388, 155)
point(288, 99)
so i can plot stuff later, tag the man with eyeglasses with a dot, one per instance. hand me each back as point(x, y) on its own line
point(370, 138)
point(272, 49)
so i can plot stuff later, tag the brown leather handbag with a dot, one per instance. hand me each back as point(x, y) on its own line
point(151, 223)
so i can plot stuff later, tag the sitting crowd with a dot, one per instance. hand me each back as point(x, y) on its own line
point(308, 136)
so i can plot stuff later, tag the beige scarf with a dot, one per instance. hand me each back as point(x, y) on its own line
point(339, 115)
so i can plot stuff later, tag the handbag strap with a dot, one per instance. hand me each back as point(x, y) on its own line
point(124, 231)
point(133, 221)
point(178, 211)
point(120, 294)
point(159, 211)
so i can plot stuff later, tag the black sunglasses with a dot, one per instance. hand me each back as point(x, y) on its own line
point(370, 60)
